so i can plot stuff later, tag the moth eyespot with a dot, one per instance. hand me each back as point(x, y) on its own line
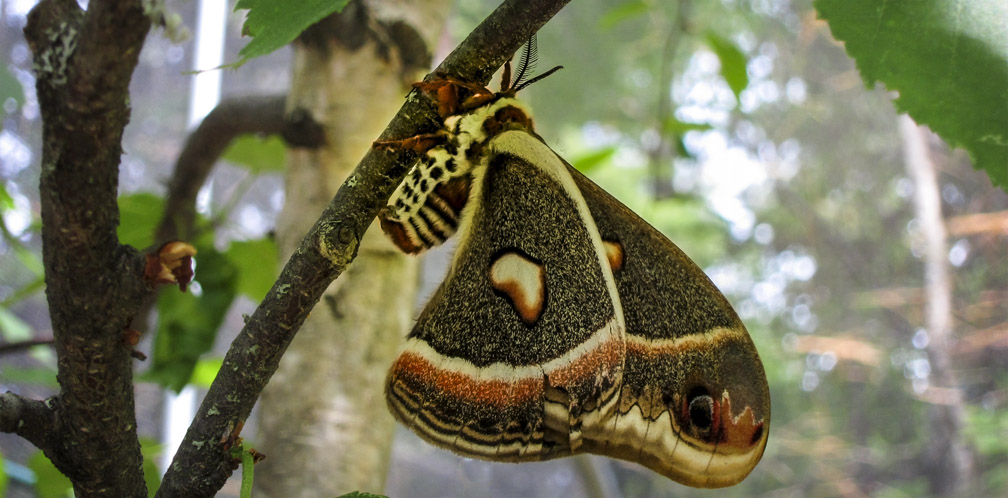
point(436, 173)
point(399, 204)
point(423, 185)
point(701, 409)
point(416, 175)
point(416, 198)
point(450, 165)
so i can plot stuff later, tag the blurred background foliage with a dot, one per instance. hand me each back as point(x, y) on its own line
point(740, 128)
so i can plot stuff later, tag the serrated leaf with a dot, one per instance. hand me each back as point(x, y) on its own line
point(733, 62)
point(139, 214)
point(49, 482)
point(188, 324)
point(273, 24)
point(256, 263)
point(257, 154)
point(10, 88)
point(947, 59)
point(591, 160)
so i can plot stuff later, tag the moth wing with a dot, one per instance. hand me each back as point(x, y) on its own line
point(694, 404)
point(523, 342)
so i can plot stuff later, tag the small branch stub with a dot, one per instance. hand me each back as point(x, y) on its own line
point(171, 264)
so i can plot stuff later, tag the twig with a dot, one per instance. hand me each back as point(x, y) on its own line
point(28, 418)
point(203, 147)
point(13, 347)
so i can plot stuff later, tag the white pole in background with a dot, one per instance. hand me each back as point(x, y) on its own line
point(206, 88)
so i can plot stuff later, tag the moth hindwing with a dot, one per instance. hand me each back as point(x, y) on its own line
point(566, 323)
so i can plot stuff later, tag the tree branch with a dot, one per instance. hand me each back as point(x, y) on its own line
point(201, 464)
point(231, 118)
point(31, 419)
point(83, 63)
point(13, 347)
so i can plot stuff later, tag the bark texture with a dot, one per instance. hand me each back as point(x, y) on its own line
point(83, 62)
point(350, 74)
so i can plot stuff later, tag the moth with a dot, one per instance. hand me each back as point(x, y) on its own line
point(566, 323)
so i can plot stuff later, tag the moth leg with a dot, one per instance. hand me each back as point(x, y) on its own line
point(418, 144)
point(426, 208)
point(455, 96)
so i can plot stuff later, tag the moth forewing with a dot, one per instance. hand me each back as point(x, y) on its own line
point(496, 383)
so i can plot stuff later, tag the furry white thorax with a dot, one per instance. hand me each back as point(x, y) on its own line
point(463, 132)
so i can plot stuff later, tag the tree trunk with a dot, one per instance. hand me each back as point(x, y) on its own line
point(949, 461)
point(324, 425)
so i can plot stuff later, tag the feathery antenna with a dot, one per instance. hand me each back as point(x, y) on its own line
point(526, 62)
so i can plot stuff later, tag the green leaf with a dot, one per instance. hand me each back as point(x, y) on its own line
point(139, 214)
point(257, 154)
point(3, 476)
point(6, 201)
point(256, 263)
point(13, 328)
point(592, 159)
point(187, 323)
point(947, 59)
point(49, 482)
point(675, 130)
point(623, 12)
point(675, 127)
point(273, 24)
point(10, 88)
point(248, 474)
point(697, 231)
point(39, 376)
point(151, 449)
point(30, 259)
point(206, 371)
point(733, 62)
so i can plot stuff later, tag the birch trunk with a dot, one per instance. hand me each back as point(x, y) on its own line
point(949, 461)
